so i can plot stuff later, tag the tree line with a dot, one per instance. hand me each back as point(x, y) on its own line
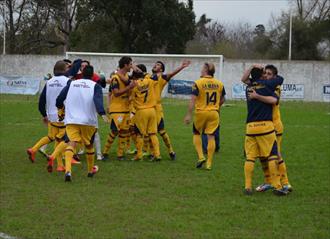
point(162, 26)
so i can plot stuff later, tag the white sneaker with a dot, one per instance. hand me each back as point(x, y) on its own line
point(43, 149)
point(81, 151)
point(99, 157)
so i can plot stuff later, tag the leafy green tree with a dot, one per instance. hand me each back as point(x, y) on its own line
point(142, 26)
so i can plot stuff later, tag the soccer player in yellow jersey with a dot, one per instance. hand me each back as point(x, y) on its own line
point(158, 74)
point(119, 107)
point(145, 114)
point(208, 94)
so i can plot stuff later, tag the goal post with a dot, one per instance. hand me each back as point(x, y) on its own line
point(178, 87)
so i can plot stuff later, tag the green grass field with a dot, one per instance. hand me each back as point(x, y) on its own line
point(167, 199)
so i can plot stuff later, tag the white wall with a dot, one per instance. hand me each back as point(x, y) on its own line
point(312, 74)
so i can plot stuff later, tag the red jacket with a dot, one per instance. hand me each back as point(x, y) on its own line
point(95, 77)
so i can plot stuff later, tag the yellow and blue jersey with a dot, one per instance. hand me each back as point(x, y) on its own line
point(162, 80)
point(275, 85)
point(119, 104)
point(144, 94)
point(257, 110)
point(209, 92)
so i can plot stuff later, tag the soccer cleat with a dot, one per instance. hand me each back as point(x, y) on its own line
point(60, 169)
point(50, 164)
point(131, 151)
point(73, 161)
point(95, 169)
point(32, 155)
point(287, 187)
point(264, 187)
point(146, 154)
point(173, 155)
point(76, 157)
point(136, 159)
point(155, 159)
point(280, 192)
point(208, 167)
point(67, 177)
point(90, 175)
point(248, 191)
point(81, 151)
point(120, 158)
point(200, 163)
point(99, 157)
point(105, 157)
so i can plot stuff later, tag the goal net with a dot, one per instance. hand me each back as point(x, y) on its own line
point(180, 85)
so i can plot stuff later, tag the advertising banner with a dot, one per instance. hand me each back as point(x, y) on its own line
point(25, 85)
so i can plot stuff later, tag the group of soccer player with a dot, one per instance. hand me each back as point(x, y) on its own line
point(72, 98)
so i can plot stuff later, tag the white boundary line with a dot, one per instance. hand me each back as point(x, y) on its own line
point(6, 236)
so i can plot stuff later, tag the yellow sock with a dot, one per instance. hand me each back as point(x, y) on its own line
point(265, 169)
point(121, 143)
point(59, 157)
point(248, 172)
point(110, 140)
point(90, 155)
point(274, 174)
point(133, 138)
point(139, 146)
point(283, 172)
point(210, 152)
point(59, 149)
point(155, 145)
point(69, 152)
point(128, 142)
point(41, 142)
point(166, 140)
point(197, 140)
point(146, 140)
point(151, 147)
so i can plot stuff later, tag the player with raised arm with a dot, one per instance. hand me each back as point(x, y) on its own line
point(158, 74)
point(260, 139)
point(83, 99)
point(208, 94)
point(48, 110)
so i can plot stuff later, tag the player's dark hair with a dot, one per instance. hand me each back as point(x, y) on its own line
point(256, 73)
point(210, 68)
point(272, 68)
point(162, 64)
point(67, 61)
point(142, 67)
point(125, 60)
point(59, 67)
point(138, 75)
point(85, 61)
point(88, 72)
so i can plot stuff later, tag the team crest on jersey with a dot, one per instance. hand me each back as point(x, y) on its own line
point(120, 119)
